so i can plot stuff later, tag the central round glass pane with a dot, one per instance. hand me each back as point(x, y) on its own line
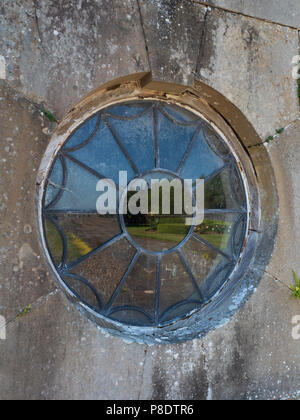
point(152, 267)
point(164, 223)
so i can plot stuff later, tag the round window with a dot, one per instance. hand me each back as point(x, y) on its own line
point(122, 239)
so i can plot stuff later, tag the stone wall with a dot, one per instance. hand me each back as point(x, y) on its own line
point(51, 55)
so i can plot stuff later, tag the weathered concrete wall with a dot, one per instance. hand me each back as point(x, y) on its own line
point(55, 55)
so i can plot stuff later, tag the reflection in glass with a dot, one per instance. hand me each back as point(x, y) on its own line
point(104, 155)
point(105, 270)
point(83, 233)
point(79, 192)
point(55, 182)
point(220, 229)
point(202, 161)
point(54, 241)
point(84, 291)
point(201, 259)
point(83, 133)
point(225, 190)
point(158, 232)
point(214, 282)
point(138, 140)
point(176, 286)
point(171, 138)
point(139, 289)
point(145, 269)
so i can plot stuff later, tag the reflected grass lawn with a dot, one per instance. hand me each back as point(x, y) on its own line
point(218, 240)
point(76, 247)
point(142, 232)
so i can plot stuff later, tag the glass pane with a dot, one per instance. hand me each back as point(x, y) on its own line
point(54, 241)
point(180, 114)
point(129, 110)
point(137, 136)
point(80, 192)
point(216, 280)
point(105, 156)
point(156, 231)
point(173, 137)
point(85, 232)
point(82, 133)
point(139, 289)
point(105, 269)
point(238, 187)
point(201, 259)
point(239, 233)
point(218, 229)
point(176, 284)
point(215, 142)
point(202, 161)
point(84, 291)
point(55, 182)
point(223, 192)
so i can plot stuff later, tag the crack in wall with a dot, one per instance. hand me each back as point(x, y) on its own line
point(273, 277)
point(235, 12)
point(40, 107)
point(31, 307)
point(144, 34)
point(277, 135)
point(18, 93)
point(201, 44)
point(209, 396)
point(143, 374)
point(38, 27)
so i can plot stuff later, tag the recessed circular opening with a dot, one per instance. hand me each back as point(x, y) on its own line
point(147, 269)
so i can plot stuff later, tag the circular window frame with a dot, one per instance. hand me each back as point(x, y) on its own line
point(199, 321)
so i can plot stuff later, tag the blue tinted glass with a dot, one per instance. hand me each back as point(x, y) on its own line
point(54, 182)
point(202, 161)
point(137, 137)
point(105, 156)
point(173, 143)
point(80, 192)
point(180, 114)
point(83, 133)
point(128, 110)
